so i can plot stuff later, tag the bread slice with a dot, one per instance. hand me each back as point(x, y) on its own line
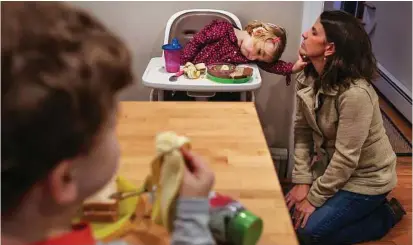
point(241, 72)
point(101, 208)
point(100, 216)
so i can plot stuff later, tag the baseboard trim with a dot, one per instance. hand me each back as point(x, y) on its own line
point(394, 92)
point(404, 154)
point(395, 83)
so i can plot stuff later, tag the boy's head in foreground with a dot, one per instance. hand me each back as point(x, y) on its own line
point(61, 71)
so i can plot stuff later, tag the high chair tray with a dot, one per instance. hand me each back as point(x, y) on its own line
point(155, 76)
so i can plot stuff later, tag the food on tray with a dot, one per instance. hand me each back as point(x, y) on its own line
point(241, 72)
point(101, 208)
point(188, 64)
point(201, 67)
point(224, 68)
point(192, 71)
point(221, 70)
point(229, 71)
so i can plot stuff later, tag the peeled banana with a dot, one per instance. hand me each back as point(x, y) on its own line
point(166, 176)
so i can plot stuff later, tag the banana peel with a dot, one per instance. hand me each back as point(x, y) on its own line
point(165, 179)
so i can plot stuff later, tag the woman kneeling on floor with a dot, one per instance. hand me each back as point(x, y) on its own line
point(344, 163)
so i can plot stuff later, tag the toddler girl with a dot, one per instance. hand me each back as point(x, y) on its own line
point(260, 42)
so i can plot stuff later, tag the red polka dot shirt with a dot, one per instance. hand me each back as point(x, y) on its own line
point(217, 43)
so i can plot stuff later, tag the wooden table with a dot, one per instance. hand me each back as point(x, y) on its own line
point(229, 137)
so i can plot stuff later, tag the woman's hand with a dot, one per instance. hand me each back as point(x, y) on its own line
point(303, 211)
point(198, 177)
point(296, 194)
point(299, 65)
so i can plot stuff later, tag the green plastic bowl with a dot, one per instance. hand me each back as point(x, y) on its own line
point(228, 80)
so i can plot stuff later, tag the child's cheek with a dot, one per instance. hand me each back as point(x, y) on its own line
point(255, 45)
point(250, 45)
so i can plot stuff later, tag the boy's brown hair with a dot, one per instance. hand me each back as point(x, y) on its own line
point(60, 73)
point(272, 31)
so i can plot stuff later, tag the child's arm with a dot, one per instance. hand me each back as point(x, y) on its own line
point(210, 33)
point(191, 224)
point(283, 68)
point(280, 68)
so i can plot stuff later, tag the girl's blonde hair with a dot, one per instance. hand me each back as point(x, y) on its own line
point(271, 32)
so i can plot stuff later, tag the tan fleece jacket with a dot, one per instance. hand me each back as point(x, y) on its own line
point(341, 144)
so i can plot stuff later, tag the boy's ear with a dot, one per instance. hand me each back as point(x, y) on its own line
point(61, 183)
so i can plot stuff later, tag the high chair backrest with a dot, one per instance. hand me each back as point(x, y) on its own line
point(184, 24)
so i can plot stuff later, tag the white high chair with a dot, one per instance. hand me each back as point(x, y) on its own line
point(183, 25)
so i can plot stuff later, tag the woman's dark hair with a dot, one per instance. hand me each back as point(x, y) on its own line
point(353, 58)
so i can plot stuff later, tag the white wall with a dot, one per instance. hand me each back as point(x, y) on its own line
point(311, 11)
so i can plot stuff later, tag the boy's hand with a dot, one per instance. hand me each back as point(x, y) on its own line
point(299, 65)
point(198, 177)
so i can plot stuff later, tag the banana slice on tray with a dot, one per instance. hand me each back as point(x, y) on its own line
point(192, 71)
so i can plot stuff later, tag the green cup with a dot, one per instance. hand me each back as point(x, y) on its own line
point(245, 228)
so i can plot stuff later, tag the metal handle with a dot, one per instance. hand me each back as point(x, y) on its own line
point(126, 194)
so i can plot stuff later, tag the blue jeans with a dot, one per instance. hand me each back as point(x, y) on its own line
point(348, 218)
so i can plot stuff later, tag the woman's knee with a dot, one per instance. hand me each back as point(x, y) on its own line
point(312, 234)
point(309, 229)
point(308, 235)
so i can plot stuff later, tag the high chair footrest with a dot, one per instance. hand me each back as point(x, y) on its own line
point(201, 94)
